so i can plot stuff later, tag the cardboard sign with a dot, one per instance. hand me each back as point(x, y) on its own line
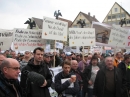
point(118, 36)
point(27, 39)
point(54, 29)
point(81, 36)
point(6, 37)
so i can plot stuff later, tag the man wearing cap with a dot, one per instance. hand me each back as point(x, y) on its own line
point(47, 60)
point(82, 64)
point(68, 56)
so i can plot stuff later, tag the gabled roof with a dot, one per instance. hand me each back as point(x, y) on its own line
point(88, 17)
point(120, 7)
point(69, 22)
point(39, 22)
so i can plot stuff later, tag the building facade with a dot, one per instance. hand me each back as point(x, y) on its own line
point(116, 14)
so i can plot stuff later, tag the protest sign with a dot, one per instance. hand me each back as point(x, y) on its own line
point(6, 37)
point(54, 29)
point(48, 48)
point(81, 36)
point(67, 49)
point(128, 40)
point(59, 45)
point(27, 39)
point(102, 32)
point(118, 36)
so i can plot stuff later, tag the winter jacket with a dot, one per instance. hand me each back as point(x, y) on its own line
point(7, 89)
point(86, 76)
point(59, 87)
point(125, 72)
point(100, 82)
point(31, 89)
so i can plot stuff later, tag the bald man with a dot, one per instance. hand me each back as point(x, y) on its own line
point(79, 75)
point(2, 57)
point(9, 84)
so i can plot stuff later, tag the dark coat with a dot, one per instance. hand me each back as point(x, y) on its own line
point(31, 89)
point(59, 87)
point(99, 85)
point(7, 90)
point(125, 72)
point(86, 76)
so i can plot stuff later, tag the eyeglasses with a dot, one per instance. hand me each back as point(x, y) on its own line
point(15, 68)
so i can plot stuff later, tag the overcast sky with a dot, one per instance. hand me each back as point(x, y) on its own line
point(13, 13)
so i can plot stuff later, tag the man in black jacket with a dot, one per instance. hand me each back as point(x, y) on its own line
point(36, 77)
point(9, 84)
point(109, 81)
point(124, 66)
point(65, 84)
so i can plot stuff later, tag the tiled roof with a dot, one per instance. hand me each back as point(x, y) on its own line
point(90, 18)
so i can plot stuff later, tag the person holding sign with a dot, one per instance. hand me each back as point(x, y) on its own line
point(66, 84)
point(89, 75)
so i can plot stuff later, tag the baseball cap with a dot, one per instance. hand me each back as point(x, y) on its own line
point(47, 55)
point(68, 53)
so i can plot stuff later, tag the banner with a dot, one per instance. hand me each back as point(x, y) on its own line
point(81, 36)
point(27, 39)
point(54, 29)
point(118, 36)
point(6, 37)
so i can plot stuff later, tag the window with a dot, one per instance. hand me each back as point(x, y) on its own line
point(109, 17)
point(113, 17)
point(118, 16)
point(115, 9)
point(123, 15)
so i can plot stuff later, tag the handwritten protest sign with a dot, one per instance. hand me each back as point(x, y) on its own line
point(6, 37)
point(27, 39)
point(81, 36)
point(54, 29)
point(118, 36)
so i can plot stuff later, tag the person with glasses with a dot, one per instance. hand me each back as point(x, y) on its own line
point(9, 84)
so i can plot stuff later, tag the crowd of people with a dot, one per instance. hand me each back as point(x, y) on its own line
point(88, 75)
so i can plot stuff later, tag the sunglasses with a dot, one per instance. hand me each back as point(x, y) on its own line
point(14, 68)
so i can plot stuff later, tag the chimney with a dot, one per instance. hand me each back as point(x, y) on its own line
point(93, 16)
point(89, 13)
